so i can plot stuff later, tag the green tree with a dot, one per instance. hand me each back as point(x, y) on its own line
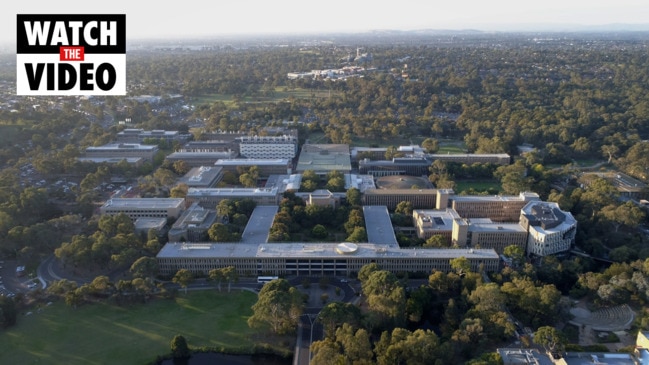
point(385, 296)
point(144, 267)
point(359, 235)
point(219, 232)
point(183, 278)
point(461, 265)
point(179, 347)
point(436, 241)
point(319, 231)
point(487, 298)
point(336, 314)
point(353, 196)
point(431, 145)
point(217, 276)
point(550, 338)
point(354, 220)
point(278, 307)
point(231, 275)
point(405, 208)
point(627, 214)
point(515, 253)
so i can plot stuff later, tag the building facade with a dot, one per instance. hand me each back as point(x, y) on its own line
point(313, 259)
point(551, 230)
point(210, 198)
point(268, 147)
point(420, 198)
point(498, 208)
point(122, 150)
point(136, 208)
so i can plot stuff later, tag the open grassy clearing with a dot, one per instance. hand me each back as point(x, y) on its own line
point(476, 185)
point(107, 334)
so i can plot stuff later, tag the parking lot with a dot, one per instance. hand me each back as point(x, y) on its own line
point(11, 283)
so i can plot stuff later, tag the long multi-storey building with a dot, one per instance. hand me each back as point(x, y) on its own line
point(499, 208)
point(420, 198)
point(197, 159)
point(471, 158)
point(267, 167)
point(314, 259)
point(122, 150)
point(136, 208)
point(132, 135)
point(268, 147)
point(210, 197)
point(415, 166)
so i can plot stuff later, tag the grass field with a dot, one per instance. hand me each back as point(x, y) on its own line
point(476, 185)
point(108, 334)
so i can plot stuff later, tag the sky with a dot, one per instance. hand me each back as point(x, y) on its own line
point(191, 18)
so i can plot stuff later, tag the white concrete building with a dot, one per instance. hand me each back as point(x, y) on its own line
point(550, 230)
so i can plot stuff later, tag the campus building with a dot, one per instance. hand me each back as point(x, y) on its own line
point(420, 198)
point(144, 225)
point(313, 259)
point(197, 159)
point(212, 146)
point(539, 228)
point(193, 224)
point(266, 167)
point(324, 158)
point(471, 158)
point(122, 151)
point(550, 229)
point(202, 177)
point(133, 135)
point(135, 161)
point(268, 147)
point(136, 208)
point(415, 166)
point(499, 208)
point(210, 198)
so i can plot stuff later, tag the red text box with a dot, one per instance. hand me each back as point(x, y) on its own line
point(71, 53)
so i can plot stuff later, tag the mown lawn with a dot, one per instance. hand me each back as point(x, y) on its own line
point(109, 334)
point(476, 185)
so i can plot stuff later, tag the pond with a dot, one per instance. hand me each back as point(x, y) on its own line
point(210, 358)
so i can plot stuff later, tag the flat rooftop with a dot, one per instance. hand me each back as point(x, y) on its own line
point(324, 157)
point(600, 358)
point(249, 162)
point(201, 176)
point(147, 203)
point(259, 224)
point(441, 220)
point(496, 227)
point(122, 146)
point(284, 182)
point(110, 159)
point(524, 196)
point(401, 192)
point(149, 223)
point(378, 225)
point(243, 192)
point(312, 250)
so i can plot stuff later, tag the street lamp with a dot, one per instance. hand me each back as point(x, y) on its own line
point(311, 321)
